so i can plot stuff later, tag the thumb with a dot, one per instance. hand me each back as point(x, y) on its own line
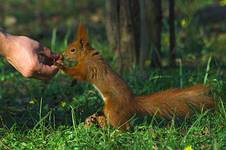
point(50, 54)
point(47, 52)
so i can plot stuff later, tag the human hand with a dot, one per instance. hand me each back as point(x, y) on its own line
point(29, 57)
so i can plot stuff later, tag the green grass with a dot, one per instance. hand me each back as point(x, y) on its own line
point(36, 115)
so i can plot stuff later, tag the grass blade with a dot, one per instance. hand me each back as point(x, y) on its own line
point(207, 70)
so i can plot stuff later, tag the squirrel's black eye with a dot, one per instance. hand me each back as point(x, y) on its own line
point(72, 50)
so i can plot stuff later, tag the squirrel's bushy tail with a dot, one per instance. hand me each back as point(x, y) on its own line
point(178, 102)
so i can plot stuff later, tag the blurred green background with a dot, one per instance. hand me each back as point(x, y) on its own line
point(199, 32)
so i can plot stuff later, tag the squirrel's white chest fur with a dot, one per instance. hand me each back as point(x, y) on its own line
point(102, 96)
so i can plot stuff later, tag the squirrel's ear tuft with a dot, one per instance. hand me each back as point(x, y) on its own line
point(82, 33)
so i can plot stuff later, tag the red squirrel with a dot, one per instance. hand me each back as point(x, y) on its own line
point(120, 102)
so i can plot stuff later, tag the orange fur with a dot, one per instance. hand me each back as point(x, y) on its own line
point(120, 103)
point(178, 102)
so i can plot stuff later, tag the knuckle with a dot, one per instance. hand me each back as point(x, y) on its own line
point(33, 66)
point(24, 38)
point(27, 74)
point(30, 69)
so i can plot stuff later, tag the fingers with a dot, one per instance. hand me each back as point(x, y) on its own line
point(59, 63)
point(45, 56)
point(46, 62)
point(45, 72)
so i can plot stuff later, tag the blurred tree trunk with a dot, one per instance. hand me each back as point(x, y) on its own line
point(172, 32)
point(122, 24)
point(151, 27)
point(134, 31)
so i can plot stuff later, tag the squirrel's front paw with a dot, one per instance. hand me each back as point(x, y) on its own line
point(59, 64)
